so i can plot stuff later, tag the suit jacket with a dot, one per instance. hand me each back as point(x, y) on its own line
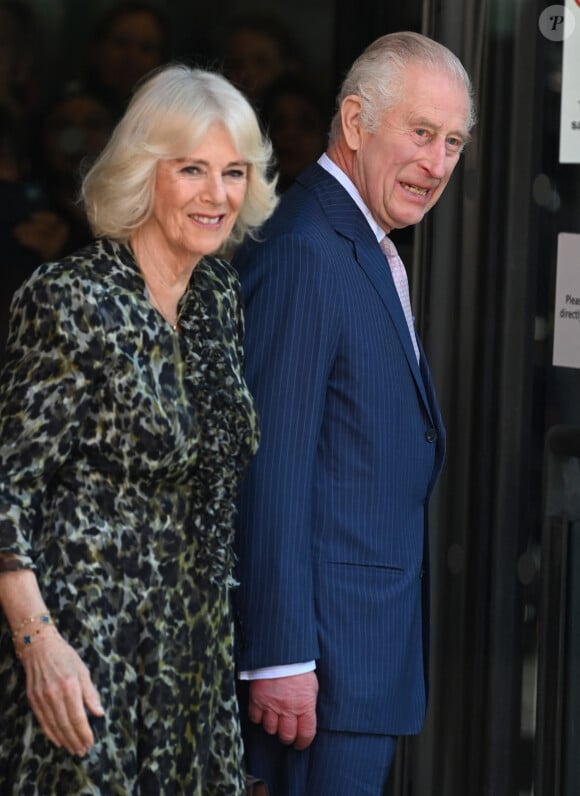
point(333, 525)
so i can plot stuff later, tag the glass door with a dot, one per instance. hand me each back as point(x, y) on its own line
point(504, 708)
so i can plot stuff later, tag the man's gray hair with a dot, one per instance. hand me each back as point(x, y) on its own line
point(377, 76)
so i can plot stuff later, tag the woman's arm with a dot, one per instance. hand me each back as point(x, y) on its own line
point(41, 382)
point(58, 684)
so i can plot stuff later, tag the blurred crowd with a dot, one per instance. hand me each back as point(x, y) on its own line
point(50, 130)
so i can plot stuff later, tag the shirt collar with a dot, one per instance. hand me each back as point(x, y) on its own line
point(331, 167)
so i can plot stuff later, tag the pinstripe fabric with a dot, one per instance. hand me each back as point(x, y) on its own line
point(333, 521)
point(335, 764)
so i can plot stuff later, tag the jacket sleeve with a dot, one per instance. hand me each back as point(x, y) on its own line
point(292, 329)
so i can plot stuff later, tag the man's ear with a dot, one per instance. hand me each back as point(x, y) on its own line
point(351, 127)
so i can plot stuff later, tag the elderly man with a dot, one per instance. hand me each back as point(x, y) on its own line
point(333, 537)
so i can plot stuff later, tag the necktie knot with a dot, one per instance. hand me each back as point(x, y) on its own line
point(388, 247)
point(401, 284)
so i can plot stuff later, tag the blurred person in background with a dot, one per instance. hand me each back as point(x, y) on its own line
point(129, 39)
point(257, 49)
point(71, 131)
point(20, 57)
point(41, 217)
point(23, 202)
point(296, 117)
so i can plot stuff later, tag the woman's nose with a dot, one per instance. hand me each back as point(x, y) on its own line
point(215, 188)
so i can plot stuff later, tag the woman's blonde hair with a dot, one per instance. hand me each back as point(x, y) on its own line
point(168, 115)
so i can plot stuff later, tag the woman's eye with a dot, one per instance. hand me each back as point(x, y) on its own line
point(237, 174)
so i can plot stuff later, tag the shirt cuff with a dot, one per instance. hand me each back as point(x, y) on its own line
point(270, 672)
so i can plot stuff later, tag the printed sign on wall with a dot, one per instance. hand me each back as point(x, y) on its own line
point(567, 304)
point(570, 108)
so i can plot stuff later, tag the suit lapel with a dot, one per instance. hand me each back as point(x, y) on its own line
point(349, 222)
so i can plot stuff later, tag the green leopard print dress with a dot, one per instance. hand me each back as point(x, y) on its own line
point(121, 446)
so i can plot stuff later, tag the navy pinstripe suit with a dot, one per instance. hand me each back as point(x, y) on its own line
point(333, 520)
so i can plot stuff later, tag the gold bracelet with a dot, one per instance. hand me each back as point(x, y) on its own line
point(23, 640)
point(30, 639)
point(44, 619)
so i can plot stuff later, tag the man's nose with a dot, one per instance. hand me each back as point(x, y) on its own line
point(436, 157)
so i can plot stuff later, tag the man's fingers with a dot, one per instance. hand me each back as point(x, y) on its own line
point(270, 722)
point(306, 730)
point(286, 706)
point(287, 728)
point(255, 712)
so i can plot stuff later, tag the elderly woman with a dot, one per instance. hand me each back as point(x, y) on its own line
point(125, 426)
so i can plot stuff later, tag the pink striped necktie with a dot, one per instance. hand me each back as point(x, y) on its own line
point(402, 285)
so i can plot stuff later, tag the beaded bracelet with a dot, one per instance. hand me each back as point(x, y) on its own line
point(43, 620)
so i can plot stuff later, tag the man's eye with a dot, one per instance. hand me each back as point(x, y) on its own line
point(454, 144)
point(422, 133)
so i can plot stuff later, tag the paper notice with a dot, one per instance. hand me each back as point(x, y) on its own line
point(567, 304)
point(570, 105)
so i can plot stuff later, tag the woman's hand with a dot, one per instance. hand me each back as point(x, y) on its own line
point(60, 691)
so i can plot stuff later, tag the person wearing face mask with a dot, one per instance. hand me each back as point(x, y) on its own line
point(333, 606)
point(125, 427)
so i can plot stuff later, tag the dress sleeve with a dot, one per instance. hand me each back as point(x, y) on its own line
point(53, 357)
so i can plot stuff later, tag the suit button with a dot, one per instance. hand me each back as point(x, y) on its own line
point(430, 435)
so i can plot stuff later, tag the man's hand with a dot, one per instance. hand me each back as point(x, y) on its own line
point(286, 706)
